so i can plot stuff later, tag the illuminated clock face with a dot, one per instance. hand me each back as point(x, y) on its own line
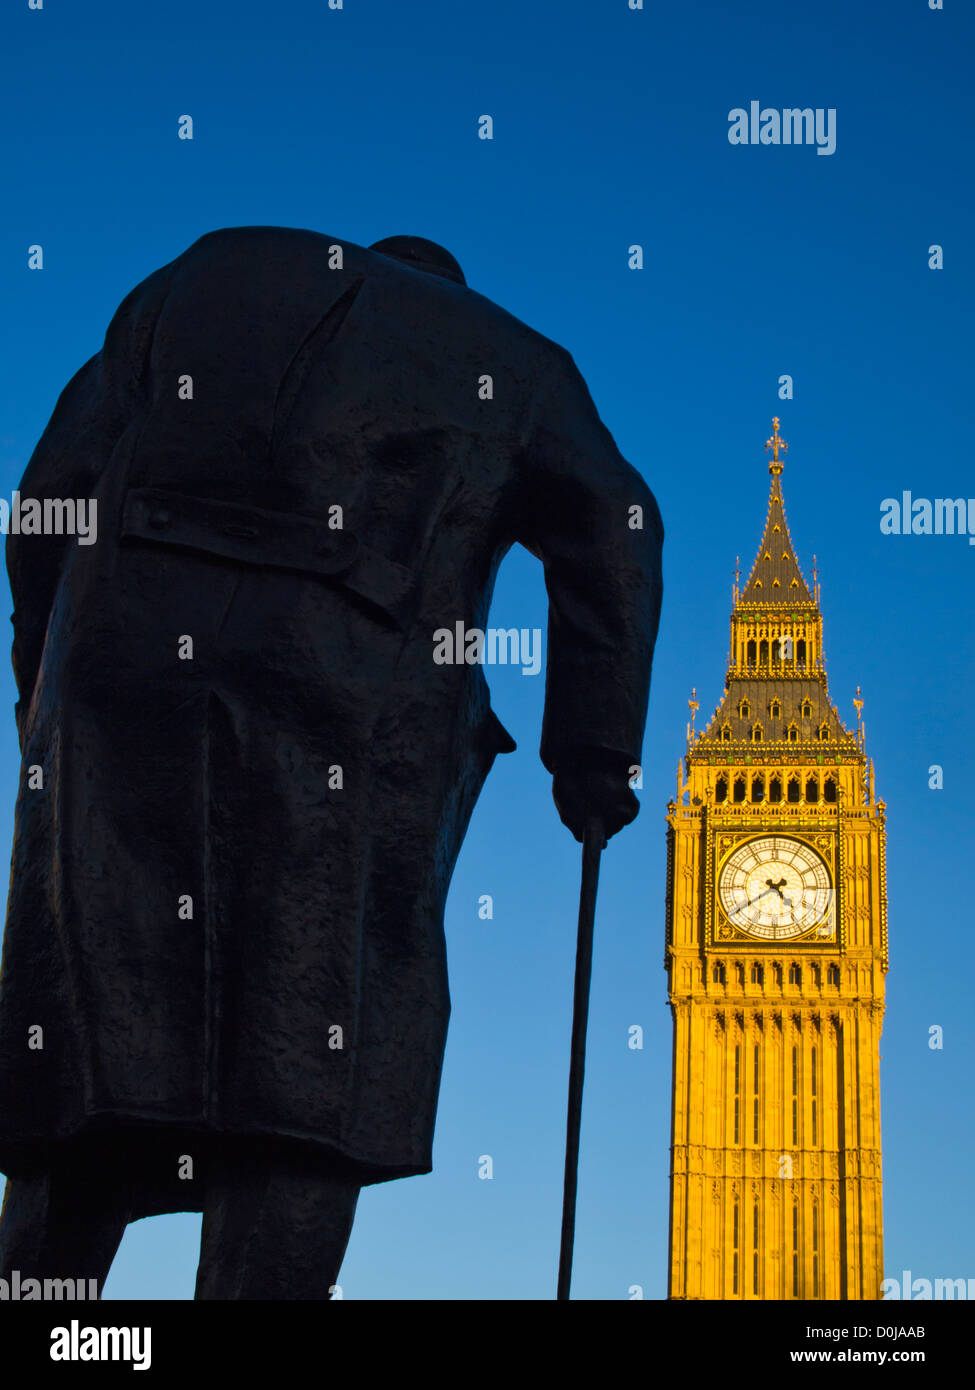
point(775, 888)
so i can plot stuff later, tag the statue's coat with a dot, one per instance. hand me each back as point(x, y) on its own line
point(313, 908)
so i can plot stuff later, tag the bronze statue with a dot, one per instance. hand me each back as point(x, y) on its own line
point(245, 781)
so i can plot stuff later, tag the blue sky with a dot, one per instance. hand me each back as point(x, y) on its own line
point(610, 129)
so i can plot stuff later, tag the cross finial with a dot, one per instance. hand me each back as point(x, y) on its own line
point(775, 443)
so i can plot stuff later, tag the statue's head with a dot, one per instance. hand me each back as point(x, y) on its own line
point(422, 255)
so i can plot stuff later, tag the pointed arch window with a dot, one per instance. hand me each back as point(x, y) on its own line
point(795, 1250)
point(829, 789)
point(794, 584)
point(775, 709)
point(739, 794)
point(755, 1248)
point(807, 709)
point(744, 709)
point(756, 732)
point(725, 733)
point(721, 789)
point(823, 733)
point(756, 1077)
point(794, 795)
point(775, 790)
point(812, 789)
point(758, 789)
point(793, 733)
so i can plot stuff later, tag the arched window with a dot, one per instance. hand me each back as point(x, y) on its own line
point(823, 733)
point(756, 733)
point(795, 1246)
point(721, 789)
point(739, 793)
point(812, 789)
point(751, 652)
point(725, 733)
point(775, 789)
point(806, 709)
point(775, 709)
point(755, 1248)
point(793, 733)
point(758, 789)
point(744, 709)
point(794, 795)
point(801, 652)
point(735, 1251)
point(763, 653)
point(756, 1077)
point(829, 789)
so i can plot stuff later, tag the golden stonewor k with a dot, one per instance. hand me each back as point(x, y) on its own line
point(776, 960)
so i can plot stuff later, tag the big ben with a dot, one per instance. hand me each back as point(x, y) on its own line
point(776, 960)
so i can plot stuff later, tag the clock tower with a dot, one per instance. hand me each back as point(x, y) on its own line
point(776, 958)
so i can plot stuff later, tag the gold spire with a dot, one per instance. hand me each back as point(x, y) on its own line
point(775, 443)
point(776, 577)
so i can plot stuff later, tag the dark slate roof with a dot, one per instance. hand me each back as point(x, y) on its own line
point(776, 576)
point(760, 692)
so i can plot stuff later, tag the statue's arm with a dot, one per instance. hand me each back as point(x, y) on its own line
point(595, 525)
point(91, 413)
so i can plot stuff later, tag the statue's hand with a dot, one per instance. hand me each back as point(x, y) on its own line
point(594, 782)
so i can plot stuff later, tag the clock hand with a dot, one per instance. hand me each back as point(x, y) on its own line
point(753, 901)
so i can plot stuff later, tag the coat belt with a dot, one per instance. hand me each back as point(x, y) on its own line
point(252, 536)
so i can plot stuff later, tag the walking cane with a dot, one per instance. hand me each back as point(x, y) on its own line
point(592, 846)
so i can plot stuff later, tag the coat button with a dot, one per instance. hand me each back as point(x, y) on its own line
point(159, 519)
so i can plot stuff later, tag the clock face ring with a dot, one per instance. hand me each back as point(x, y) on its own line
point(775, 887)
